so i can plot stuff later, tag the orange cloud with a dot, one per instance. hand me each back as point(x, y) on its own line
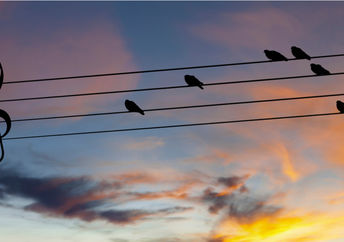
point(147, 143)
point(287, 165)
point(307, 227)
point(214, 155)
point(180, 192)
point(337, 198)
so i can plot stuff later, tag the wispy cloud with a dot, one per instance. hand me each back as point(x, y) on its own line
point(80, 197)
point(147, 143)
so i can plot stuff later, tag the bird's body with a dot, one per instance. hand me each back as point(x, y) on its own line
point(193, 81)
point(275, 56)
point(299, 53)
point(340, 106)
point(319, 70)
point(133, 107)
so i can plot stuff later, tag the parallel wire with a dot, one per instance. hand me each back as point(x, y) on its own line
point(160, 70)
point(164, 88)
point(179, 107)
point(170, 126)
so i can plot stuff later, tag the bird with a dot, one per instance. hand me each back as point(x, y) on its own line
point(299, 53)
point(340, 106)
point(1, 75)
point(133, 107)
point(193, 81)
point(319, 70)
point(275, 56)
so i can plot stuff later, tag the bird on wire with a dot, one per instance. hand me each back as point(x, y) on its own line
point(319, 70)
point(193, 81)
point(340, 106)
point(133, 107)
point(275, 56)
point(299, 53)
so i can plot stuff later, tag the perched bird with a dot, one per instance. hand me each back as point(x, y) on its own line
point(340, 106)
point(319, 70)
point(299, 53)
point(275, 56)
point(132, 107)
point(193, 81)
point(1, 75)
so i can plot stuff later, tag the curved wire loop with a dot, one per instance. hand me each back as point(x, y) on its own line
point(1, 75)
point(6, 117)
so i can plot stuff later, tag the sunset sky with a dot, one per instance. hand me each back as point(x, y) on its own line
point(259, 181)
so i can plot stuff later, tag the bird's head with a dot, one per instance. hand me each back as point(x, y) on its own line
point(293, 47)
point(266, 51)
point(339, 102)
point(186, 76)
point(313, 65)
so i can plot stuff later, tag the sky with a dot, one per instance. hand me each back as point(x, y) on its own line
point(259, 181)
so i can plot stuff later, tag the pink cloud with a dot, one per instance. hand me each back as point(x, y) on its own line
point(257, 28)
point(99, 48)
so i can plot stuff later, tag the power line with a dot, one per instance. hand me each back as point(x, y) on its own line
point(169, 126)
point(178, 107)
point(161, 88)
point(159, 70)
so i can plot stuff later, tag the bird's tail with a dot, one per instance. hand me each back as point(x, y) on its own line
point(142, 112)
point(200, 87)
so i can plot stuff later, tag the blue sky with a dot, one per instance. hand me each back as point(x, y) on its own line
point(211, 183)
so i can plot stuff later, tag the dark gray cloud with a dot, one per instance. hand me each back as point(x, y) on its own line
point(79, 197)
point(130, 216)
point(247, 209)
point(239, 204)
point(219, 201)
point(231, 181)
point(216, 202)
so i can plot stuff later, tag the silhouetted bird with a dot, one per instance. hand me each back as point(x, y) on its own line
point(275, 56)
point(319, 70)
point(132, 107)
point(193, 81)
point(1, 75)
point(340, 106)
point(299, 53)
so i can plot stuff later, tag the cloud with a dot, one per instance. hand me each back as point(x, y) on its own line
point(131, 216)
point(253, 28)
point(181, 193)
point(212, 156)
point(289, 226)
point(147, 143)
point(68, 51)
point(232, 181)
point(236, 203)
point(80, 198)
point(216, 202)
point(287, 165)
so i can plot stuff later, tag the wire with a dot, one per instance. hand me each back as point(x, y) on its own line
point(178, 107)
point(169, 126)
point(160, 70)
point(162, 88)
